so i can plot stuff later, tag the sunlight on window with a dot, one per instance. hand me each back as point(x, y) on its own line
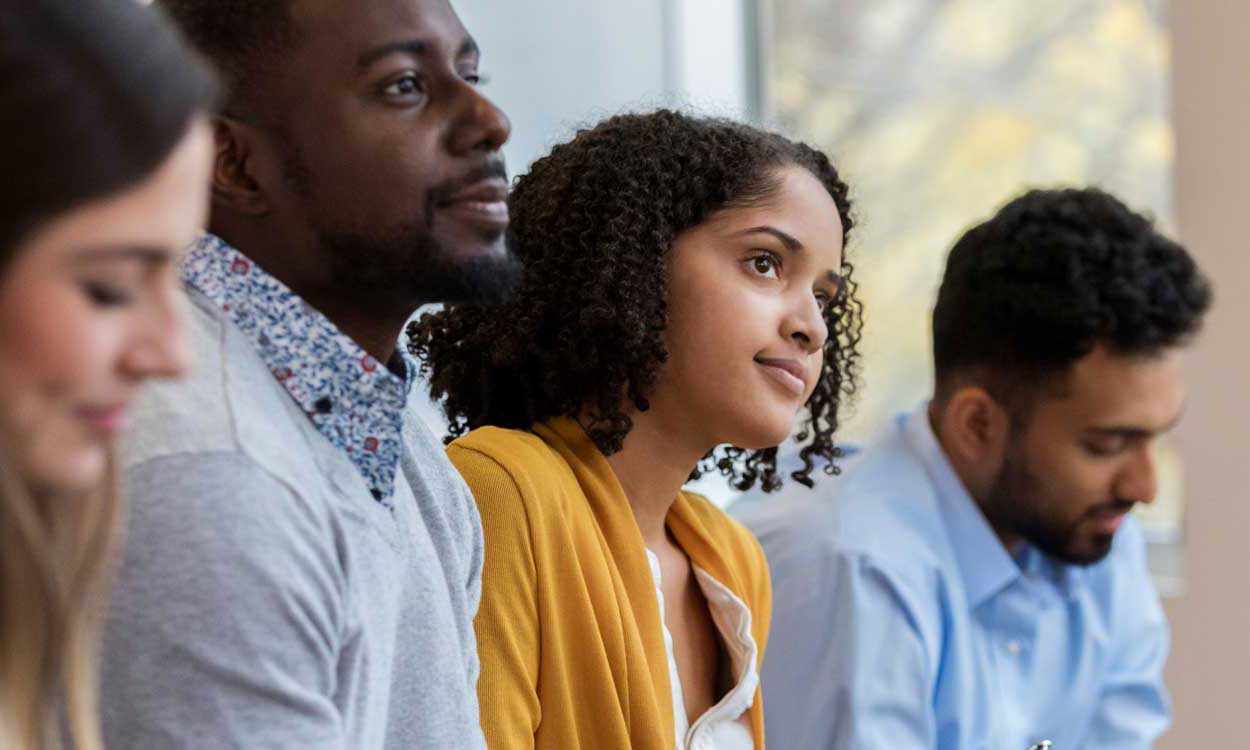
point(937, 113)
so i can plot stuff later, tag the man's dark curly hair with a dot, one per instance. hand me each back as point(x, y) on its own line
point(1054, 274)
point(593, 224)
point(242, 38)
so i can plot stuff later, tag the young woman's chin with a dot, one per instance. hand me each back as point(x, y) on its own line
point(70, 465)
point(762, 427)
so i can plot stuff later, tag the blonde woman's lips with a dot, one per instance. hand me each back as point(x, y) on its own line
point(106, 420)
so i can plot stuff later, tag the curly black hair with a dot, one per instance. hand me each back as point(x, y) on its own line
point(242, 38)
point(592, 224)
point(1052, 275)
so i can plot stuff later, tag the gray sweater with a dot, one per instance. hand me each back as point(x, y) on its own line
point(265, 599)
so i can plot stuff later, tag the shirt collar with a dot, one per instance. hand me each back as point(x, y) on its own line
point(1066, 578)
point(984, 564)
point(354, 401)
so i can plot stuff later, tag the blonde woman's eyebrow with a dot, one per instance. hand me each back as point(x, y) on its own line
point(145, 254)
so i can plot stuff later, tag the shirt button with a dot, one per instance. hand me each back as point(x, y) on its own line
point(1014, 647)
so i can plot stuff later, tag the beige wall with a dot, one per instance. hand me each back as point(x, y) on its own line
point(1210, 667)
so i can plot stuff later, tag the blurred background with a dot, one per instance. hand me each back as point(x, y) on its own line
point(937, 112)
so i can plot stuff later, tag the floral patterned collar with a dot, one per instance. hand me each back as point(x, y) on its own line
point(354, 401)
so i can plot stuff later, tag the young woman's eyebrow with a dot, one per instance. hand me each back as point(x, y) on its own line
point(789, 241)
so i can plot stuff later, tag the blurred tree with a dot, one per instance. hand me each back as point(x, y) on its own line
point(938, 111)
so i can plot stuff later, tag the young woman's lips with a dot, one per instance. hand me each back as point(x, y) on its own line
point(107, 421)
point(787, 373)
point(483, 204)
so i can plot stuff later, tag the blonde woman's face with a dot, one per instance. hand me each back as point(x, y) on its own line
point(90, 308)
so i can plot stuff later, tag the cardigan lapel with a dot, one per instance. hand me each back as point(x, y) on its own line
point(615, 518)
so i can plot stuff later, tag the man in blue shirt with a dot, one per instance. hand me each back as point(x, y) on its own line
point(975, 582)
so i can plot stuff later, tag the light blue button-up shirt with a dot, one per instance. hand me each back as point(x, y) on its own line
point(901, 622)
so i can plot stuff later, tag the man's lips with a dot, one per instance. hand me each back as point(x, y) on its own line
point(484, 202)
point(1109, 519)
point(788, 373)
point(488, 190)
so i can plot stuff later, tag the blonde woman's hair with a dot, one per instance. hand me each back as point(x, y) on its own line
point(55, 567)
point(136, 89)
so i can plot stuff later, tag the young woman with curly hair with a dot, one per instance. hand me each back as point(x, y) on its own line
point(685, 295)
point(107, 165)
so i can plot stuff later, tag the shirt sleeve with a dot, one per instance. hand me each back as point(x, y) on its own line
point(848, 667)
point(225, 622)
point(1135, 710)
point(473, 591)
point(507, 619)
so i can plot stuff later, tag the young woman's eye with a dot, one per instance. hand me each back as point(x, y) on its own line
point(107, 295)
point(408, 85)
point(476, 79)
point(765, 265)
point(823, 301)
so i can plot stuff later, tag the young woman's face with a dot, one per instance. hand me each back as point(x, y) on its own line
point(745, 334)
point(89, 309)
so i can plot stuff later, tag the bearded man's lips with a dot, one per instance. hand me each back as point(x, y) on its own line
point(1108, 519)
point(482, 204)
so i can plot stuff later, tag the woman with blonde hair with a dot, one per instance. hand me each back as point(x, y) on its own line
point(106, 161)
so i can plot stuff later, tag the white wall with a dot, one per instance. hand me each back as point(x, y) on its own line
point(710, 53)
point(1211, 621)
point(555, 64)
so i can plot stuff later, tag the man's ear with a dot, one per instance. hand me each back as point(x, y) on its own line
point(235, 183)
point(975, 427)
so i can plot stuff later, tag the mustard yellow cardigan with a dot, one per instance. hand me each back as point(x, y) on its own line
point(569, 633)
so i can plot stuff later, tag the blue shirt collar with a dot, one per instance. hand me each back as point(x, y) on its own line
point(1066, 578)
point(355, 402)
point(984, 563)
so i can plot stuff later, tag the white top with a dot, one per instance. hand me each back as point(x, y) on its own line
point(726, 725)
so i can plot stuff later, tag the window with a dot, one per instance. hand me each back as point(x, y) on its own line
point(937, 112)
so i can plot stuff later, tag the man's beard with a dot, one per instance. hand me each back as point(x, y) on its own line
point(1015, 504)
point(412, 266)
point(408, 265)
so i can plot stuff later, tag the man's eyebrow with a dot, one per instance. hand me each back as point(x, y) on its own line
point(413, 47)
point(1130, 432)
